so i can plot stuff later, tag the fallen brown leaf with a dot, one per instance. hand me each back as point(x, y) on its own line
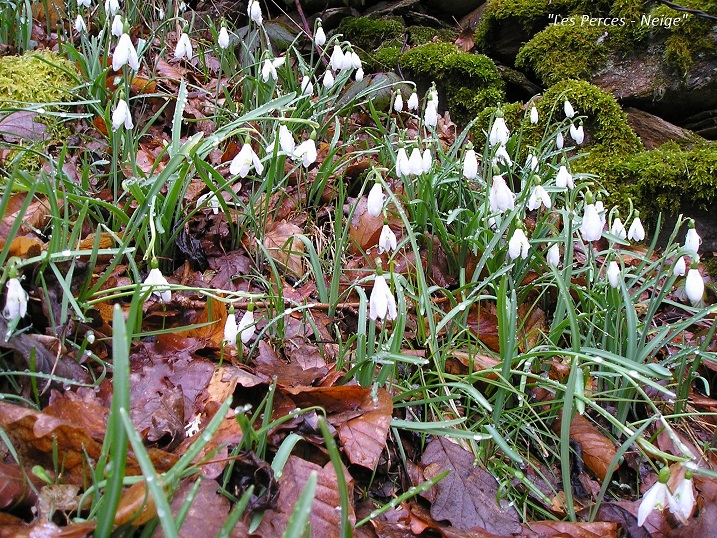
point(597, 450)
point(364, 437)
point(284, 247)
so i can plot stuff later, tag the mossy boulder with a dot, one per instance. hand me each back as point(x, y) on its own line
point(470, 82)
point(370, 34)
point(35, 77)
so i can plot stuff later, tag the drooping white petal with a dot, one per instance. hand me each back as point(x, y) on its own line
point(328, 80)
point(692, 240)
point(122, 116)
point(499, 133)
point(125, 53)
point(359, 74)
point(382, 303)
point(656, 498)
point(254, 11)
point(518, 245)
point(568, 108)
point(337, 58)
point(415, 162)
point(403, 166)
point(694, 286)
point(553, 257)
point(539, 196)
point(591, 227)
point(183, 48)
point(559, 140)
point(577, 134)
point(470, 164)
point(159, 286)
point(501, 198)
point(533, 115)
point(244, 160)
point(15, 300)
point(231, 330)
point(398, 102)
point(307, 152)
point(246, 326)
point(117, 26)
point(286, 140)
point(387, 240)
point(374, 204)
point(223, 38)
point(80, 26)
point(320, 37)
point(564, 178)
point(427, 159)
point(682, 502)
point(613, 274)
point(307, 88)
point(636, 231)
point(618, 228)
point(413, 101)
point(680, 267)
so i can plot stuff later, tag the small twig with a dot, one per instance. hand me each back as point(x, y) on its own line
point(695, 12)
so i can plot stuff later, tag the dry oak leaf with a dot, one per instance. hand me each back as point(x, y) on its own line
point(467, 496)
point(550, 529)
point(364, 437)
point(285, 247)
point(598, 452)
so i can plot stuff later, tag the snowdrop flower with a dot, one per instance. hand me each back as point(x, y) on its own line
point(613, 274)
point(680, 267)
point(591, 227)
point(413, 101)
point(559, 140)
point(223, 38)
point(117, 26)
point(564, 178)
point(618, 228)
point(501, 198)
point(694, 285)
point(600, 208)
point(553, 257)
point(636, 231)
point(319, 36)
point(246, 324)
point(212, 201)
point(80, 26)
point(125, 53)
point(499, 132)
point(382, 303)
point(518, 245)
point(374, 204)
point(184, 48)
point(111, 7)
point(15, 300)
point(337, 58)
point(328, 79)
point(244, 160)
point(307, 152)
point(359, 74)
point(427, 159)
point(415, 162)
point(156, 282)
point(532, 162)
point(398, 102)
point(268, 70)
point(122, 116)
point(231, 330)
point(387, 240)
point(656, 498)
point(470, 162)
point(682, 503)
point(86, 3)
point(307, 88)
point(692, 239)
point(501, 156)
point(430, 116)
point(568, 108)
point(254, 11)
point(286, 140)
point(539, 196)
point(352, 59)
point(403, 166)
point(577, 134)
point(533, 115)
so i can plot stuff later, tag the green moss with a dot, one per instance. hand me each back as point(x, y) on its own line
point(471, 81)
point(369, 34)
point(560, 52)
point(420, 35)
point(384, 59)
point(36, 77)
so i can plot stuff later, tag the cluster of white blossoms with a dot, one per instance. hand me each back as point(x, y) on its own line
point(681, 501)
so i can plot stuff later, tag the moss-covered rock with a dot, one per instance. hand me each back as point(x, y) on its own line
point(420, 35)
point(471, 81)
point(36, 77)
point(370, 34)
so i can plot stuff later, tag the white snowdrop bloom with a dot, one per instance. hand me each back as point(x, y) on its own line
point(656, 498)
point(403, 165)
point(246, 326)
point(183, 48)
point(501, 198)
point(254, 11)
point(122, 116)
point(470, 163)
point(692, 239)
point(353, 60)
point(533, 115)
point(564, 178)
point(532, 162)
point(427, 160)
point(577, 134)
point(680, 267)
point(618, 228)
point(125, 53)
point(307, 88)
point(613, 274)
point(307, 152)
point(223, 38)
point(374, 204)
point(80, 26)
point(636, 231)
point(430, 116)
point(539, 196)
point(398, 102)
point(501, 156)
point(15, 300)
point(553, 257)
point(499, 133)
point(359, 74)
point(328, 80)
point(86, 3)
point(518, 245)
point(244, 161)
point(682, 502)
point(559, 140)
point(415, 162)
point(337, 59)
point(156, 282)
point(694, 285)
point(111, 7)
point(117, 26)
point(212, 201)
point(268, 71)
point(320, 37)
point(382, 303)
point(387, 240)
point(600, 208)
point(286, 140)
point(413, 101)
point(231, 329)
point(591, 227)
point(568, 108)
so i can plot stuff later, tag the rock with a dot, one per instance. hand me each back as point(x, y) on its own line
point(703, 124)
point(455, 8)
point(388, 9)
point(653, 130)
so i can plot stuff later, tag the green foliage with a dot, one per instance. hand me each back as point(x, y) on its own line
point(560, 52)
point(370, 34)
point(385, 58)
point(36, 77)
point(420, 35)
